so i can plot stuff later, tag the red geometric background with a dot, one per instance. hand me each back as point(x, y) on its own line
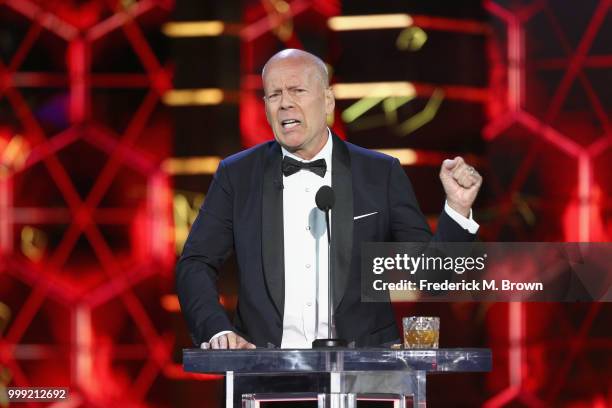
point(86, 203)
point(85, 230)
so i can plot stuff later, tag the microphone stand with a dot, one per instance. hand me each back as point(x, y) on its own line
point(330, 341)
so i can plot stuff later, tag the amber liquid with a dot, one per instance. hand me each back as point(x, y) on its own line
point(427, 338)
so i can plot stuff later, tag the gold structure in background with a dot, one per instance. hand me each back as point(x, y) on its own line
point(33, 243)
point(181, 166)
point(369, 22)
point(13, 154)
point(392, 95)
point(194, 28)
point(185, 204)
point(358, 90)
point(406, 157)
point(5, 316)
point(185, 207)
point(424, 116)
point(204, 96)
point(411, 39)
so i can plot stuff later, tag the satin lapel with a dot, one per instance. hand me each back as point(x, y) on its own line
point(342, 218)
point(272, 242)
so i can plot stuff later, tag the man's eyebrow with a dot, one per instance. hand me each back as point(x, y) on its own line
point(278, 89)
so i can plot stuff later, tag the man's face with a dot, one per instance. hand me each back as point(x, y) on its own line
point(297, 105)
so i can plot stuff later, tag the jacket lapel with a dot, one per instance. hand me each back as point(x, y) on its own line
point(272, 243)
point(342, 218)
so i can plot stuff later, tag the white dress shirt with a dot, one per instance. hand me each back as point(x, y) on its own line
point(305, 241)
point(305, 249)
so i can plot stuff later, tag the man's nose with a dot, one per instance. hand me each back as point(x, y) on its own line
point(286, 101)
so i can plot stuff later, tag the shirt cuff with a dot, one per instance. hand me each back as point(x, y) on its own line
point(466, 223)
point(206, 344)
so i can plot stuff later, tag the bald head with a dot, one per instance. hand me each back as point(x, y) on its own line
point(299, 56)
point(298, 101)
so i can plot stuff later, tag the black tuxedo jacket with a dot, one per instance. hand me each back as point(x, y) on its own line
point(243, 212)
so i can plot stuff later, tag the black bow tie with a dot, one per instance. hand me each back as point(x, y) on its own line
point(292, 166)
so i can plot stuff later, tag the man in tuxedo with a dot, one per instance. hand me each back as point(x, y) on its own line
point(261, 204)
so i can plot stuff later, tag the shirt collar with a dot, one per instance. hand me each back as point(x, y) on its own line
point(324, 153)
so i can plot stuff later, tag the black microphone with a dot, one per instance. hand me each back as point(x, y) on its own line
point(325, 200)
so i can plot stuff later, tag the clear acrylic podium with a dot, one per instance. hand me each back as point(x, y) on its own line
point(352, 373)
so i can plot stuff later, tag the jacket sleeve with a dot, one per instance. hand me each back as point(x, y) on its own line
point(408, 224)
point(209, 244)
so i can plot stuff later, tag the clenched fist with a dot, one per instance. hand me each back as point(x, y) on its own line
point(461, 183)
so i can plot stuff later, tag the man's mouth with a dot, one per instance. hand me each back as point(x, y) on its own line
point(290, 123)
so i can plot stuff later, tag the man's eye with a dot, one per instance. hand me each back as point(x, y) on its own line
point(300, 90)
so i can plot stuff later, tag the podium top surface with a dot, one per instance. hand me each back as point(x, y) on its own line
point(267, 361)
